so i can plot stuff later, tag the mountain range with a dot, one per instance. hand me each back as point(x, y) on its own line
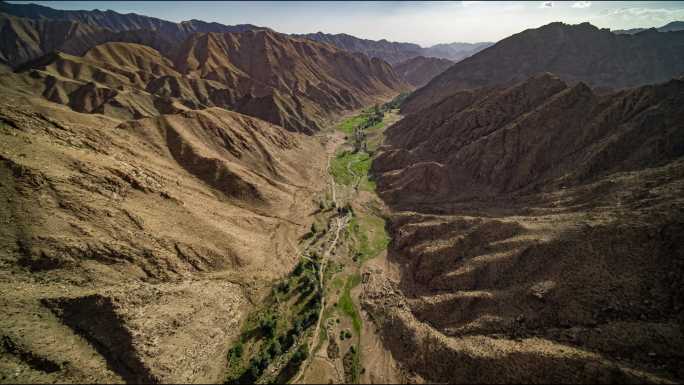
point(669, 27)
point(118, 22)
point(295, 83)
point(394, 52)
point(540, 218)
point(579, 52)
point(200, 203)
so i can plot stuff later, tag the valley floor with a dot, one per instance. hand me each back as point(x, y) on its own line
point(311, 327)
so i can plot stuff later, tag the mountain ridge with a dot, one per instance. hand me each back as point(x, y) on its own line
point(295, 83)
point(395, 52)
point(672, 26)
point(508, 203)
point(578, 52)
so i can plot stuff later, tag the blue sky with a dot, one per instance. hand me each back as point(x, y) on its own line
point(425, 23)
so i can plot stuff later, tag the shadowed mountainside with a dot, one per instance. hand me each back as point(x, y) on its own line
point(420, 70)
point(537, 226)
point(573, 52)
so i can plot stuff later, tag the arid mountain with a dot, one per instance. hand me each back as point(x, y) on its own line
point(391, 52)
point(24, 39)
point(574, 52)
point(118, 22)
point(455, 51)
point(394, 52)
point(537, 226)
point(295, 83)
point(420, 69)
point(669, 27)
point(30, 31)
point(136, 244)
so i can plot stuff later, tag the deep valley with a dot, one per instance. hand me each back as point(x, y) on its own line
point(196, 202)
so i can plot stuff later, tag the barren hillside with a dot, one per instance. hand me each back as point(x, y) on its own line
point(117, 22)
point(538, 230)
point(123, 228)
point(420, 70)
point(297, 84)
point(575, 53)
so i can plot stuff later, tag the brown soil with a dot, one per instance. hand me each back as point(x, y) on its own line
point(298, 84)
point(132, 250)
point(538, 233)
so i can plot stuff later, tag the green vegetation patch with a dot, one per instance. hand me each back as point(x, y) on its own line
point(369, 235)
point(347, 305)
point(350, 124)
point(352, 365)
point(348, 166)
point(368, 119)
point(273, 330)
point(396, 102)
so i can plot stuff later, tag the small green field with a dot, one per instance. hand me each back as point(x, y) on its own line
point(346, 303)
point(369, 236)
point(350, 124)
point(348, 166)
point(369, 119)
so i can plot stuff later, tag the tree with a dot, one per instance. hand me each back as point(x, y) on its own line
point(275, 349)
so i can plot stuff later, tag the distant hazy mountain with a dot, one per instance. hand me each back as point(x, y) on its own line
point(669, 27)
point(391, 52)
point(395, 52)
point(455, 51)
point(579, 52)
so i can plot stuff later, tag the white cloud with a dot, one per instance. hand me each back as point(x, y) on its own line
point(546, 4)
point(636, 17)
point(469, 3)
point(582, 4)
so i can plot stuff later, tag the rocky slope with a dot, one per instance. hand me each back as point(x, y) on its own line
point(574, 52)
point(138, 244)
point(24, 39)
point(420, 70)
point(149, 198)
point(30, 31)
point(538, 231)
point(295, 83)
point(395, 52)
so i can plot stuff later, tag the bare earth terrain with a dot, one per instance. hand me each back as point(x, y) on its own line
point(200, 203)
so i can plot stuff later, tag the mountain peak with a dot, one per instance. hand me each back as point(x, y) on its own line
point(572, 52)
